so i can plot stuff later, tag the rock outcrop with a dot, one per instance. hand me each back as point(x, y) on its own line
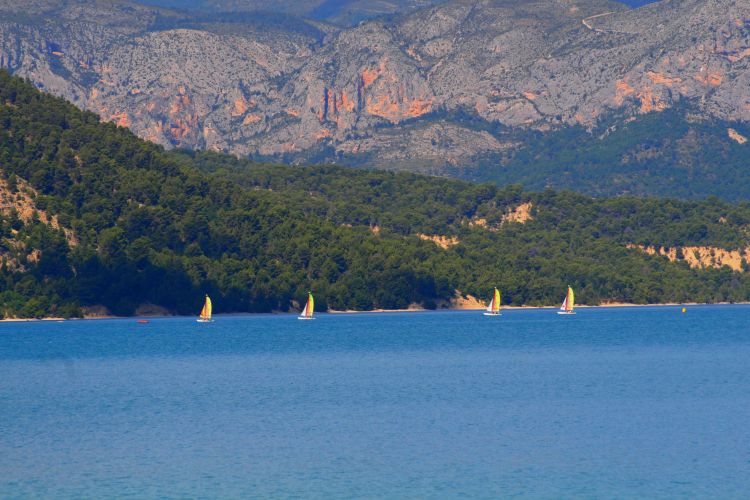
point(17, 201)
point(701, 257)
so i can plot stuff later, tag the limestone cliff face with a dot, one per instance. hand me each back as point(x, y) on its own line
point(382, 88)
point(701, 257)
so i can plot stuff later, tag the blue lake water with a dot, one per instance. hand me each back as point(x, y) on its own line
point(610, 402)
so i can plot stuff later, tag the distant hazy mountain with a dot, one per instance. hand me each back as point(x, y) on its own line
point(461, 87)
point(342, 12)
point(338, 11)
point(637, 3)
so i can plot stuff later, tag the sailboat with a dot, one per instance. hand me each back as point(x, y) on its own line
point(494, 308)
point(205, 316)
point(307, 312)
point(568, 303)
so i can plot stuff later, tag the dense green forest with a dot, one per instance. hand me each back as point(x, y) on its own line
point(670, 153)
point(137, 224)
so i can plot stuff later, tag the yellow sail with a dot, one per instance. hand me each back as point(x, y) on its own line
point(569, 303)
point(307, 312)
point(207, 309)
point(494, 307)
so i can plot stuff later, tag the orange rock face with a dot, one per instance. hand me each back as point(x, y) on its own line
point(397, 109)
point(713, 79)
point(251, 118)
point(622, 90)
point(382, 106)
point(649, 101)
point(370, 75)
point(419, 107)
point(121, 119)
point(179, 129)
point(736, 136)
point(661, 79)
point(334, 105)
point(240, 107)
point(345, 103)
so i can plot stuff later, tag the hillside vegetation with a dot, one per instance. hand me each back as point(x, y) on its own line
point(673, 153)
point(92, 215)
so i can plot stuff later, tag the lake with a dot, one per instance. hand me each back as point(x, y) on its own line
point(627, 402)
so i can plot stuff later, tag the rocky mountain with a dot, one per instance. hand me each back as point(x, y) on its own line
point(387, 92)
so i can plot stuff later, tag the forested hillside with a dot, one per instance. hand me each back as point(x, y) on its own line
point(92, 215)
point(672, 153)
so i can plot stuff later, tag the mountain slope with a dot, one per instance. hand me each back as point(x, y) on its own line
point(92, 216)
point(670, 154)
point(383, 92)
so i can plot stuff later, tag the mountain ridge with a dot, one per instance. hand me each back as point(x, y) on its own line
point(341, 12)
point(300, 92)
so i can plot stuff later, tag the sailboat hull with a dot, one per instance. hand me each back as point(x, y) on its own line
point(304, 318)
point(200, 320)
point(491, 314)
point(565, 313)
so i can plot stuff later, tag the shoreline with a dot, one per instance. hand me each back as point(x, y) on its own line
point(613, 305)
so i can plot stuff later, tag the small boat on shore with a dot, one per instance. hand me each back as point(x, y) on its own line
point(206, 312)
point(568, 303)
point(309, 310)
point(494, 308)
